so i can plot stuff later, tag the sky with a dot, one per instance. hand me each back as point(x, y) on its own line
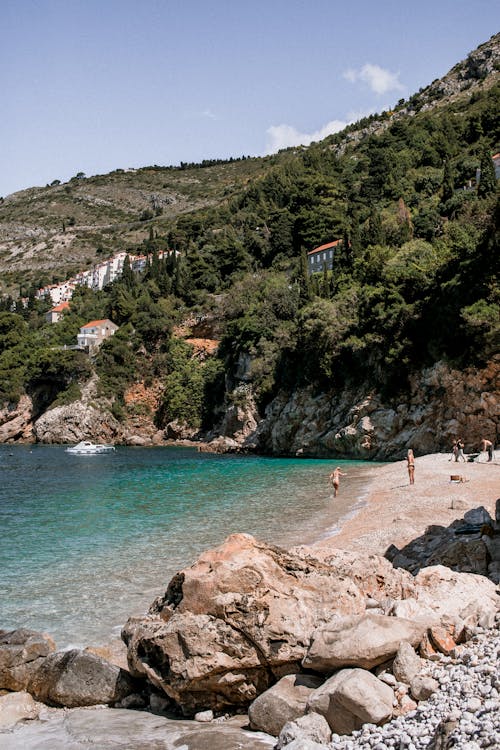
point(95, 85)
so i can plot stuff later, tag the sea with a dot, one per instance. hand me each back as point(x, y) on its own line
point(87, 541)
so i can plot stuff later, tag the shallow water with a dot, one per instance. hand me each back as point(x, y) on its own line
point(87, 541)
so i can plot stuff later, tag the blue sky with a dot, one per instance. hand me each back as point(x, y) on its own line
point(93, 85)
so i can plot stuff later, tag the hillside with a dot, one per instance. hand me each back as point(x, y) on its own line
point(408, 305)
point(49, 233)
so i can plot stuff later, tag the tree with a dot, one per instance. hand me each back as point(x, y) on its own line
point(487, 183)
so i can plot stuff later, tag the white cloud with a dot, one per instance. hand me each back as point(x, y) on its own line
point(208, 114)
point(285, 136)
point(378, 79)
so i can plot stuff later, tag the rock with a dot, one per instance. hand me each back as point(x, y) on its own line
point(79, 678)
point(351, 698)
point(352, 423)
point(449, 594)
point(204, 716)
point(234, 622)
point(21, 653)
point(422, 687)
point(305, 744)
point(312, 727)
point(89, 418)
point(441, 640)
point(359, 641)
point(16, 421)
point(16, 707)
point(283, 702)
point(427, 650)
point(464, 555)
point(407, 664)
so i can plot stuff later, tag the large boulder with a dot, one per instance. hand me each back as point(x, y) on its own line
point(283, 702)
point(449, 595)
point(21, 653)
point(351, 698)
point(360, 641)
point(255, 608)
point(79, 678)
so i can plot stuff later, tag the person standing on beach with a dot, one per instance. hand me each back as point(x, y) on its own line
point(454, 451)
point(335, 479)
point(488, 447)
point(411, 465)
point(460, 450)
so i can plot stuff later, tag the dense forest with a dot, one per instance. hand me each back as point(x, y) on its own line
point(414, 279)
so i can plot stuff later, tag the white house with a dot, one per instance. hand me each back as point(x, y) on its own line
point(92, 334)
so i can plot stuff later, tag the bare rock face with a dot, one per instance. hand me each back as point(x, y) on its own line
point(16, 421)
point(283, 702)
point(360, 641)
point(21, 653)
point(79, 678)
point(236, 621)
point(441, 404)
point(74, 422)
point(351, 698)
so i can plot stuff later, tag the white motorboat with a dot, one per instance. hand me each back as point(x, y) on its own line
point(86, 448)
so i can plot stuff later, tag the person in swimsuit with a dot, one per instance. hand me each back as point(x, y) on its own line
point(488, 446)
point(335, 479)
point(411, 465)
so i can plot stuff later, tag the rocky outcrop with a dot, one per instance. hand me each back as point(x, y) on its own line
point(16, 421)
point(236, 621)
point(441, 404)
point(244, 615)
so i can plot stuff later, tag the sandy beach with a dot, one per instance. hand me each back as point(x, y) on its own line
point(396, 512)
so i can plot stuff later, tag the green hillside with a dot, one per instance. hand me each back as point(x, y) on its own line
point(414, 280)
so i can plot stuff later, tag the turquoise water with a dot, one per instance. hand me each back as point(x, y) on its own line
point(87, 541)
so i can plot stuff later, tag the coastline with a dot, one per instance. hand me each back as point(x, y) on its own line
point(394, 512)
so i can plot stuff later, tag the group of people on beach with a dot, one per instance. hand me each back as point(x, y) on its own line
point(457, 454)
point(457, 450)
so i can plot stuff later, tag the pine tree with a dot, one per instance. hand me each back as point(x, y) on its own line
point(127, 273)
point(487, 183)
point(448, 185)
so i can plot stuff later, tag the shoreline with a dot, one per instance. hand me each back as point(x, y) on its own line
point(394, 512)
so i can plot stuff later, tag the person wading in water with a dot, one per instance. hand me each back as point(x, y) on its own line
point(335, 479)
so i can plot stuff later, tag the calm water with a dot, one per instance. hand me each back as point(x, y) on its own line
point(86, 541)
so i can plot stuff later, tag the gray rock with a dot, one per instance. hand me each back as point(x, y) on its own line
point(79, 678)
point(21, 653)
point(359, 641)
point(351, 698)
point(312, 727)
point(204, 716)
point(407, 664)
point(282, 703)
point(422, 687)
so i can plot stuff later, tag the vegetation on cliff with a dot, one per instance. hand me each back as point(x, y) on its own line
point(414, 280)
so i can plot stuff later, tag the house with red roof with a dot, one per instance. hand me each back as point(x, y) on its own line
point(324, 254)
point(55, 314)
point(92, 334)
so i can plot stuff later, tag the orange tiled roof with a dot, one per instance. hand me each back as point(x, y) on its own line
point(324, 247)
point(95, 323)
point(60, 307)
